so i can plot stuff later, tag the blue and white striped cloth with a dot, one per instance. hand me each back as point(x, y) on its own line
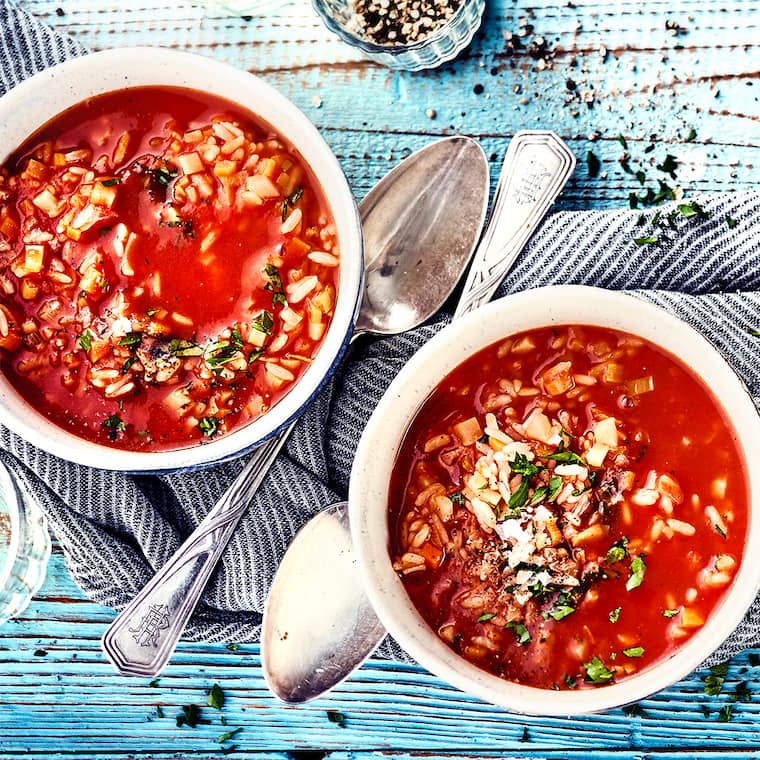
point(116, 529)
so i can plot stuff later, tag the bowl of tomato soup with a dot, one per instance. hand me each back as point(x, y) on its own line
point(553, 503)
point(180, 260)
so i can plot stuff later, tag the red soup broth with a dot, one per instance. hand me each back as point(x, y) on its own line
point(568, 507)
point(168, 268)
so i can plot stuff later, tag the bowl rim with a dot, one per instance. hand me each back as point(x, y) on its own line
point(368, 490)
point(66, 84)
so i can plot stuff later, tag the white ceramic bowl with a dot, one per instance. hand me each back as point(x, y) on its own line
point(380, 441)
point(34, 102)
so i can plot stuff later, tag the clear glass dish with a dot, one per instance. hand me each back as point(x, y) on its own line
point(441, 45)
point(24, 546)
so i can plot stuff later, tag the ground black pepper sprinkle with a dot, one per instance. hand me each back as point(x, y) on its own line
point(400, 22)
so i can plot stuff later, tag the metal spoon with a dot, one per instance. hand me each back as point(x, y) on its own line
point(318, 623)
point(417, 250)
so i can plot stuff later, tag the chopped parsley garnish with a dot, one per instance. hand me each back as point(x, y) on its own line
point(719, 530)
point(670, 613)
point(486, 616)
point(614, 616)
point(593, 164)
point(191, 716)
point(184, 348)
point(691, 209)
point(617, 552)
point(520, 494)
point(538, 495)
point(731, 222)
point(334, 716)
point(570, 681)
point(634, 710)
point(634, 652)
point(691, 136)
point(209, 426)
point(457, 498)
point(521, 632)
point(561, 611)
point(229, 735)
point(130, 339)
point(726, 713)
point(275, 285)
point(523, 466)
point(215, 696)
point(566, 457)
point(185, 225)
point(152, 312)
point(115, 425)
point(555, 484)
point(85, 340)
point(221, 352)
point(669, 166)
point(264, 322)
point(715, 679)
point(597, 672)
point(647, 240)
point(128, 364)
point(110, 182)
point(291, 201)
point(254, 355)
point(638, 568)
point(622, 141)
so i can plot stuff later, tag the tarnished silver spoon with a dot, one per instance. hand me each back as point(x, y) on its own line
point(416, 251)
point(318, 623)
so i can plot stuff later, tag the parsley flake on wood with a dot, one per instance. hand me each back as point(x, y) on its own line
point(593, 164)
point(634, 710)
point(191, 717)
point(726, 713)
point(215, 697)
point(638, 569)
point(334, 716)
point(715, 679)
point(669, 165)
point(228, 735)
point(597, 672)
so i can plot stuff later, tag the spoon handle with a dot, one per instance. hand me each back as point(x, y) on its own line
point(536, 166)
point(143, 636)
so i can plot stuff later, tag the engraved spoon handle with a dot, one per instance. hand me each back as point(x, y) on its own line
point(536, 166)
point(143, 636)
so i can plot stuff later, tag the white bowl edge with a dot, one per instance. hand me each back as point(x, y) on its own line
point(368, 495)
point(55, 89)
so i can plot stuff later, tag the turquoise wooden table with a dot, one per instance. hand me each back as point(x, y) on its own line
point(625, 84)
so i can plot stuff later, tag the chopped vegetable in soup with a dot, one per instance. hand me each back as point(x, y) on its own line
point(168, 268)
point(568, 507)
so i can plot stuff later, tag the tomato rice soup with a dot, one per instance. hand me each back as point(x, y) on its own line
point(568, 507)
point(168, 268)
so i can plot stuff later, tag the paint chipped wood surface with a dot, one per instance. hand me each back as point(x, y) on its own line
point(682, 76)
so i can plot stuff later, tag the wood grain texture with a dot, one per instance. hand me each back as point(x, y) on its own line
point(683, 76)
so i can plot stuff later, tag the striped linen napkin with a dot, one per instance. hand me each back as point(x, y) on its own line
point(116, 529)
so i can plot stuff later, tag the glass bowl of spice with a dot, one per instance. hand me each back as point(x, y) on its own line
point(24, 546)
point(404, 34)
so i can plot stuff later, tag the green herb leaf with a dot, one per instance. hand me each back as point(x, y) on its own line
point(159, 712)
point(290, 201)
point(191, 716)
point(114, 425)
point(719, 530)
point(110, 182)
point(670, 613)
point(561, 611)
point(669, 166)
point(209, 426)
point(638, 569)
point(215, 697)
point(154, 683)
point(570, 681)
point(184, 348)
point(634, 652)
point(614, 616)
point(622, 141)
point(742, 692)
point(593, 164)
point(152, 312)
point(233, 647)
point(691, 136)
point(336, 717)
point(566, 457)
point(597, 672)
point(715, 679)
point(555, 484)
point(634, 710)
point(523, 466)
point(486, 616)
point(648, 240)
point(692, 209)
point(617, 552)
point(131, 339)
point(85, 340)
point(457, 498)
point(185, 225)
point(731, 222)
point(521, 632)
point(228, 735)
point(520, 494)
point(538, 495)
point(264, 322)
point(726, 713)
